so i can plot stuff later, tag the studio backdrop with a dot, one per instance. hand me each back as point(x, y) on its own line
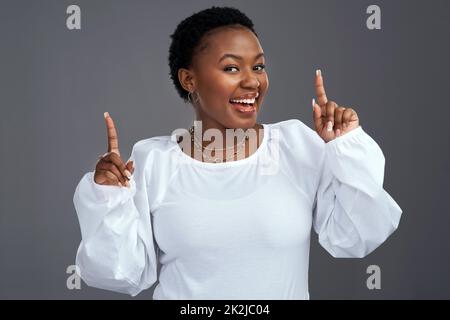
point(64, 63)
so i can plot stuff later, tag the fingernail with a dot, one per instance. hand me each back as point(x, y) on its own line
point(127, 173)
point(318, 72)
point(329, 126)
point(127, 184)
point(106, 115)
point(313, 103)
point(120, 184)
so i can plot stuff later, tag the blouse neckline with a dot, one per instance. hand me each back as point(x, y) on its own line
point(233, 163)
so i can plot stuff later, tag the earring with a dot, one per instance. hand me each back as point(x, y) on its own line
point(190, 99)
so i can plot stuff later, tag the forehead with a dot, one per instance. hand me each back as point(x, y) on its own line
point(240, 41)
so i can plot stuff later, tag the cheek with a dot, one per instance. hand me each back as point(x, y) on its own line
point(220, 91)
point(264, 82)
point(227, 85)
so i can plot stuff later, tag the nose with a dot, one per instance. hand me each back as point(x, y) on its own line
point(250, 80)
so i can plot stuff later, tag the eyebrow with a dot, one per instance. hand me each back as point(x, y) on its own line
point(230, 55)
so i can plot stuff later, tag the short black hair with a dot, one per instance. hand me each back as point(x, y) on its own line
point(189, 32)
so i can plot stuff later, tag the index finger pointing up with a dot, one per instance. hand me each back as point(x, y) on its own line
point(320, 89)
point(113, 142)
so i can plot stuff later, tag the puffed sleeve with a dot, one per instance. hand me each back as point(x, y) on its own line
point(117, 250)
point(352, 213)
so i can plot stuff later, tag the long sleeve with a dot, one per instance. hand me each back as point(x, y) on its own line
point(117, 250)
point(352, 212)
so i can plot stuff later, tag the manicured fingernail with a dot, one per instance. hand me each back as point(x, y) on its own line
point(120, 184)
point(313, 103)
point(106, 115)
point(329, 126)
point(318, 72)
point(127, 173)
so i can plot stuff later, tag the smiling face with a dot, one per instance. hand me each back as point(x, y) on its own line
point(229, 65)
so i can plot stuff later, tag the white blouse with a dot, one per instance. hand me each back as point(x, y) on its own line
point(239, 229)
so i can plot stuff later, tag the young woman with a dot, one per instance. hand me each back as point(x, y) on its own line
point(231, 222)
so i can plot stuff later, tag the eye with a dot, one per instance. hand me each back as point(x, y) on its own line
point(262, 66)
point(228, 68)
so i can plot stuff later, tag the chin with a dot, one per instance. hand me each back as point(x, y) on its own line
point(244, 121)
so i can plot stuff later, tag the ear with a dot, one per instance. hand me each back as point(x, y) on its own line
point(187, 79)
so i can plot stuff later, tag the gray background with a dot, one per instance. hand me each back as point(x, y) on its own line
point(55, 85)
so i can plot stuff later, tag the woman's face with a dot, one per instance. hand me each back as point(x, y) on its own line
point(230, 66)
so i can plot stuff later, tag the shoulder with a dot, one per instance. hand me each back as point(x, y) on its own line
point(299, 145)
point(153, 158)
point(155, 150)
point(294, 131)
point(149, 146)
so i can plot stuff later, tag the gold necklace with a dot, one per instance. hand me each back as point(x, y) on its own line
point(193, 135)
point(200, 147)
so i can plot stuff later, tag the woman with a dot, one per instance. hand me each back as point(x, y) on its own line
point(233, 222)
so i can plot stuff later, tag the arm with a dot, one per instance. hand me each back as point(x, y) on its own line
point(353, 214)
point(116, 252)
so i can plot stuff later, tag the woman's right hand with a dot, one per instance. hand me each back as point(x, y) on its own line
point(110, 168)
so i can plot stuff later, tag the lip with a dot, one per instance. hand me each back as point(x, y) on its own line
point(243, 111)
point(249, 95)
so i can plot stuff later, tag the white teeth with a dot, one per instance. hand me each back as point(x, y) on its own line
point(244, 100)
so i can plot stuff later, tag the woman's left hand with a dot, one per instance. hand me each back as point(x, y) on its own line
point(331, 120)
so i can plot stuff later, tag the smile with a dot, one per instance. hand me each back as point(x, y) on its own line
point(245, 104)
